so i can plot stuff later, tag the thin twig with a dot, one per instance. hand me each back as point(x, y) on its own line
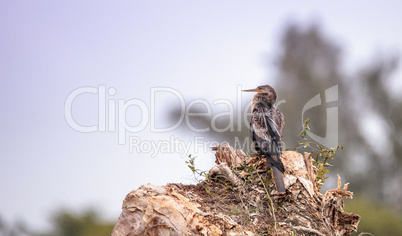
point(270, 202)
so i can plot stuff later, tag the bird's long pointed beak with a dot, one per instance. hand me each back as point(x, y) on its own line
point(253, 90)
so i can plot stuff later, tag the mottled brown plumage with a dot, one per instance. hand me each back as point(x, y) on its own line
point(266, 130)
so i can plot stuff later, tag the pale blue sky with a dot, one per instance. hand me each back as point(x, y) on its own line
point(203, 49)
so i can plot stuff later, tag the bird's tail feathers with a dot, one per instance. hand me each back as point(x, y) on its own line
point(278, 179)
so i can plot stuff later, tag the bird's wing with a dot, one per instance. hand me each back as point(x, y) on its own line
point(266, 136)
point(272, 128)
point(265, 127)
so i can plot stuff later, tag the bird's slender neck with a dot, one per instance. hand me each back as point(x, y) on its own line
point(268, 99)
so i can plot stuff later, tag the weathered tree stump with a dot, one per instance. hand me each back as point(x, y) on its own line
point(239, 198)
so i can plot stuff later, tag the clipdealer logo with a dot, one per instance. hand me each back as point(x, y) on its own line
point(112, 117)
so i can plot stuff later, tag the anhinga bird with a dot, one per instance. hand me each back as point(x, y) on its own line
point(266, 130)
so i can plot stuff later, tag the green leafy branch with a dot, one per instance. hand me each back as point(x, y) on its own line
point(196, 172)
point(321, 154)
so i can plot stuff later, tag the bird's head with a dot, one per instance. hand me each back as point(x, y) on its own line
point(264, 92)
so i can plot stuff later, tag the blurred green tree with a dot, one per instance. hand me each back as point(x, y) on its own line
point(377, 115)
point(87, 223)
point(65, 223)
point(377, 218)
